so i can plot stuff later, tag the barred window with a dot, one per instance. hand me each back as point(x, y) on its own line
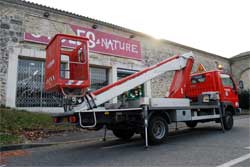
point(30, 84)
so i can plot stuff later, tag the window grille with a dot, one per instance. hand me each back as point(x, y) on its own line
point(30, 84)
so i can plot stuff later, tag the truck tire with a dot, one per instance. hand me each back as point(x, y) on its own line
point(124, 134)
point(228, 121)
point(191, 124)
point(157, 130)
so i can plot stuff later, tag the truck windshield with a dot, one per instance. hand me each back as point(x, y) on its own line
point(226, 80)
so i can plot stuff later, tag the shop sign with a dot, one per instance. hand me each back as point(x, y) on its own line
point(99, 42)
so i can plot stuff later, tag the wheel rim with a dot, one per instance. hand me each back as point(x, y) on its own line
point(158, 129)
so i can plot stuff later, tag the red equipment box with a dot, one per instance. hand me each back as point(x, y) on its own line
point(67, 63)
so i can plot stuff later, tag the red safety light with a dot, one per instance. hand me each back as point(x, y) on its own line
point(56, 120)
point(73, 119)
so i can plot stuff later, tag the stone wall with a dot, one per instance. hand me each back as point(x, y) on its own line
point(11, 33)
point(240, 65)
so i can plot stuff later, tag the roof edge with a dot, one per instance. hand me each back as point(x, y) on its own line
point(70, 14)
point(243, 54)
point(194, 49)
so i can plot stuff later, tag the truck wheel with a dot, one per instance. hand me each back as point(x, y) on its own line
point(191, 124)
point(228, 121)
point(124, 134)
point(157, 130)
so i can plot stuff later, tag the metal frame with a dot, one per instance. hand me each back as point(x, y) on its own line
point(30, 92)
point(87, 126)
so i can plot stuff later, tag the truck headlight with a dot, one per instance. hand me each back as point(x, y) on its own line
point(217, 96)
point(236, 104)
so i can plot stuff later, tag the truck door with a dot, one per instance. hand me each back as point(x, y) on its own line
point(229, 90)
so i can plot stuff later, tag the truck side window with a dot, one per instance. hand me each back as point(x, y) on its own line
point(198, 79)
point(226, 80)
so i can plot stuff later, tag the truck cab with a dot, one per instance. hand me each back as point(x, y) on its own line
point(214, 81)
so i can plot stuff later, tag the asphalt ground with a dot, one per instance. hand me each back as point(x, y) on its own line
point(205, 145)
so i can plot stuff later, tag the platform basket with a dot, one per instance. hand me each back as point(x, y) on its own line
point(67, 65)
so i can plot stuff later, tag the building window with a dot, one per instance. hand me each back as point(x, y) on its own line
point(30, 87)
point(30, 84)
point(132, 94)
point(99, 77)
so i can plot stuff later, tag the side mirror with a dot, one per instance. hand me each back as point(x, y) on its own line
point(241, 84)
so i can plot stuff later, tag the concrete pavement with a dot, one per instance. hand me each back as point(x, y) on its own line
point(205, 145)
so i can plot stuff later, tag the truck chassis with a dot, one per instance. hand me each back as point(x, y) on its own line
point(151, 117)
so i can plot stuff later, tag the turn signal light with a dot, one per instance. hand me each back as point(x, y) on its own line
point(72, 119)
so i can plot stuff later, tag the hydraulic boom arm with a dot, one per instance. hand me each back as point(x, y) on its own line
point(182, 64)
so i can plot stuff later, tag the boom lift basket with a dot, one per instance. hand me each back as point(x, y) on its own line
point(67, 65)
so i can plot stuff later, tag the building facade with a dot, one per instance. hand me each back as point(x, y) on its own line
point(115, 52)
point(240, 65)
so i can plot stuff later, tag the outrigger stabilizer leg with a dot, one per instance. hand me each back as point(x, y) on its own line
point(221, 118)
point(176, 126)
point(105, 133)
point(145, 110)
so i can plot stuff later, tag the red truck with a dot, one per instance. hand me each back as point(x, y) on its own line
point(192, 98)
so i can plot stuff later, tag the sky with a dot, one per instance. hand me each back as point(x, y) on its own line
point(221, 27)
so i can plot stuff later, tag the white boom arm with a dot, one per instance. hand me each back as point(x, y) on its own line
point(150, 73)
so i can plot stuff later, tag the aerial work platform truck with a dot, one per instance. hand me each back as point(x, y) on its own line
point(192, 98)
